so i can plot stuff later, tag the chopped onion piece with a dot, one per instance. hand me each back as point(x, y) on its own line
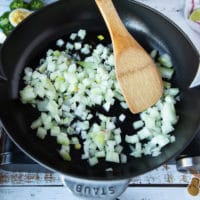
point(112, 157)
point(60, 43)
point(131, 139)
point(138, 124)
point(122, 117)
point(41, 132)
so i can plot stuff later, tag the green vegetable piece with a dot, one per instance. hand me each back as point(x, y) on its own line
point(36, 4)
point(5, 24)
point(7, 29)
point(18, 4)
point(4, 20)
point(100, 37)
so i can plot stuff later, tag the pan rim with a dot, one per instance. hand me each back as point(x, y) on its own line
point(107, 178)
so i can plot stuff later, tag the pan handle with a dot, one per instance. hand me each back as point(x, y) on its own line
point(189, 165)
point(2, 74)
point(93, 190)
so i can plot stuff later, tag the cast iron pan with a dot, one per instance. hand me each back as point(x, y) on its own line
point(28, 43)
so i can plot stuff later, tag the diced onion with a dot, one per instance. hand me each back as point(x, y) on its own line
point(68, 83)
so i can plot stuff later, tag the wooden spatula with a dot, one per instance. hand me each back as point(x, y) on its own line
point(138, 76)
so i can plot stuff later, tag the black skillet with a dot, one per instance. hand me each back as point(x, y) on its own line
point(28, 43)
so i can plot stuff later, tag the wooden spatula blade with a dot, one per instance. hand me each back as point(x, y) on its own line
point(139, 78)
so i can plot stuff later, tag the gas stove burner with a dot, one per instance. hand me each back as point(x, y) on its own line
point(12, 159)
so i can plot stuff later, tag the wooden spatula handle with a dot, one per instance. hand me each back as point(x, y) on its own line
point(119, 34)
point(111, 17)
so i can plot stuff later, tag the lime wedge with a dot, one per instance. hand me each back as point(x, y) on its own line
point(18, 15)
point(195, 15)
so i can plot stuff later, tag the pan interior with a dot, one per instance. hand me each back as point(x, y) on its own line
point(32, 39)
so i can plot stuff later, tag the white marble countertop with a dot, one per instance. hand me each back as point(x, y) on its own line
point(174, 11)
point(164, 183)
